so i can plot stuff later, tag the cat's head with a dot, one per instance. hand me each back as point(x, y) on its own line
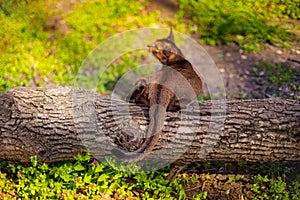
point(165, 50)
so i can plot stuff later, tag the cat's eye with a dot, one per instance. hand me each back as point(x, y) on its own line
point(152, 46)
point(167, 52)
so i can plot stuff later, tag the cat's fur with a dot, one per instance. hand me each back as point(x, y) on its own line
point(172, 87)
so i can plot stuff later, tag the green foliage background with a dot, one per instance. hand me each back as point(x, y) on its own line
point(32, 55)
point(248, 22)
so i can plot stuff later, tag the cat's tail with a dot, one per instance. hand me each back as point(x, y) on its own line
point(157, 115)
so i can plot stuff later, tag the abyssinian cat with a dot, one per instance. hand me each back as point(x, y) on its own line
point(174, 86)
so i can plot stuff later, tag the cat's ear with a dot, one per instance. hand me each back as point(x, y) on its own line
point(171, 36)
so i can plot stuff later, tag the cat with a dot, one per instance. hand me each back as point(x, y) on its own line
point(162, 91)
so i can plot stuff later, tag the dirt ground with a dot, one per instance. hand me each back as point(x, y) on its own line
point(237, 68)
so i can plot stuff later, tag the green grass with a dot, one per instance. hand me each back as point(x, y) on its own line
point(250, 23)
point(31, 56)
point(276, 72)
point(83, 179)
point(275, 188)
point(86, 178)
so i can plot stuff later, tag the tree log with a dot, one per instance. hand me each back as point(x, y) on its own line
point(57, 123)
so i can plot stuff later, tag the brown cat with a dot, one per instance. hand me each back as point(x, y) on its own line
point(174, 86)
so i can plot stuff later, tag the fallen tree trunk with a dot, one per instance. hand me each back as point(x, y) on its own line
point(57, 123)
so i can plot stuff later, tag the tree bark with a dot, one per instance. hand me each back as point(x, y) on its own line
point(57, 123)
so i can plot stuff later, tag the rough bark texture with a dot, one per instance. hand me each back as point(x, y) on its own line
point(57, 123)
